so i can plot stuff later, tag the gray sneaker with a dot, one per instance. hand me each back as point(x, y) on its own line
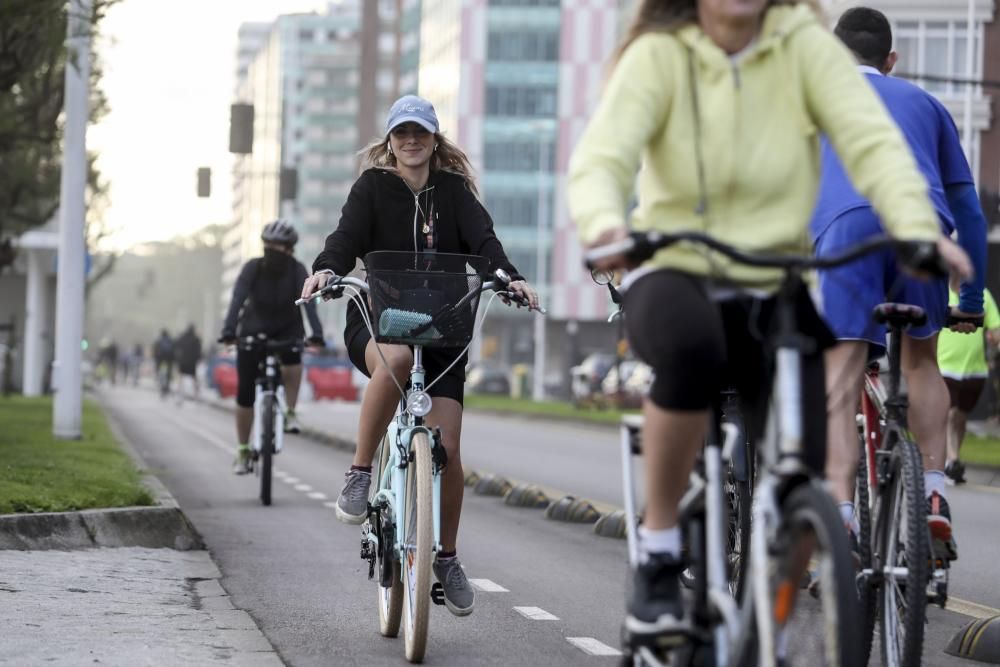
point(352, 505)
point(292, 423)
point(459, 596)
point(242, 465)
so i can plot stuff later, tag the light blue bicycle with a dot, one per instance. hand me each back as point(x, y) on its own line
point(421, 300)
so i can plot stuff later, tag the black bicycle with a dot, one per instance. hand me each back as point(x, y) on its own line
point(794, 519)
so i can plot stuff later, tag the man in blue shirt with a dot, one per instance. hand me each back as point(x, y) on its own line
point(842, 218)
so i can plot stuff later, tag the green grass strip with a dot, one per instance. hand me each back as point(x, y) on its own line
point(981, 451)
point(555, 409)
point(39, 473)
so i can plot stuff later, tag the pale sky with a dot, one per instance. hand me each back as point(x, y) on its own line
point(169, 78)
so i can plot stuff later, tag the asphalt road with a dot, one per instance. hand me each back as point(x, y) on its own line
point(297, 570)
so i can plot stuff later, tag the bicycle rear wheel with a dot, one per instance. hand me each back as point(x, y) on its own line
point(811, 631)
point(418, 549)
point(903, 550)
point(390, 598)
point(867, 592)
point(266, 445)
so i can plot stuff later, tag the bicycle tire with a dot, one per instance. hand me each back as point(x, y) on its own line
point(416, 567)
point(739, 496)
point(903, 524)
point(808, 512)
point(266, 446)
point(390, 599)
point(867, 595)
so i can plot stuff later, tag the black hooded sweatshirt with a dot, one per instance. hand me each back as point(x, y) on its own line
point(383, 213)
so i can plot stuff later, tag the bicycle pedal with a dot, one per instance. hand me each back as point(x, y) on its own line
point(437, 593)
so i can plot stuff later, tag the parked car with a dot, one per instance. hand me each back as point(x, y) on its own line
point(488, 377)
point(586, 378)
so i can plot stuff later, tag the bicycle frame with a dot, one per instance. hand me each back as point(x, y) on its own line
point(391, 493)
point(269, 385)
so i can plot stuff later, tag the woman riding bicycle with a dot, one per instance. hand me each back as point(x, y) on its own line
point(721, 102)
point(263, 303)
point(417, 195)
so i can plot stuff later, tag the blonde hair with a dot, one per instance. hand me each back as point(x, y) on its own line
point(671, 15)
point(447, 157)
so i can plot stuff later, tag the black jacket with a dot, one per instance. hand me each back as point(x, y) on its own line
point(381, 213)
point(264, 301)
point(187, 352)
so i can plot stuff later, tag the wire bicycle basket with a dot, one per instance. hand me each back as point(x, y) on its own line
point(427, 299)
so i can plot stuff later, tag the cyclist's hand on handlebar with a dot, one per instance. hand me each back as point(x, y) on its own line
point(526, 291)
point(962, 322)
point(314, 283)
point(315, 343)
point(227, 338)
point(613, 262)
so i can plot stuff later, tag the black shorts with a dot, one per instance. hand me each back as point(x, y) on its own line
point(436, 360)
point(698, 347)
point(964, 394)
point(247, 363)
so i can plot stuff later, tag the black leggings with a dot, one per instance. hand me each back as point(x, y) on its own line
point(698, 347)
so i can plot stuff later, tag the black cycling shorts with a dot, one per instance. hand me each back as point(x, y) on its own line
point(247, 363)
point(698, 347)
point(436, 360)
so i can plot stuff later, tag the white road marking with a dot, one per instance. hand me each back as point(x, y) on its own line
point(280, 473)
point(591, 646)
point(303, 487)
point(535, 614)
point(487, 586)
point(331, 505)
point(292, 480)
point(972, 609)
point(317, 495)
point(287, 480)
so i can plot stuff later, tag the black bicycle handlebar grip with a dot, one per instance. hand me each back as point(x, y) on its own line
point(955, 319)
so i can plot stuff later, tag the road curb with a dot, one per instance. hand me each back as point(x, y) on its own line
point(161, 526)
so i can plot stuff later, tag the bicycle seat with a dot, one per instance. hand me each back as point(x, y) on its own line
point(899, 315)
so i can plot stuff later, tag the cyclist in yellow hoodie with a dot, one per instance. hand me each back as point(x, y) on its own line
point(722, 102)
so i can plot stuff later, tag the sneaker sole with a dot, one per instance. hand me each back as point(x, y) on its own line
point(459, 611)
point(663, 625)
point(350, 519)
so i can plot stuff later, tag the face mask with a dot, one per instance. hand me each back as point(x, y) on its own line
point(276, 261)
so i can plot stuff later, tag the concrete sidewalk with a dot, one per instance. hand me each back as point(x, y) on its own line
point(127, 606)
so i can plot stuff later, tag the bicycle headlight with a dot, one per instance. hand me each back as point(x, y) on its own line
point(418, 404)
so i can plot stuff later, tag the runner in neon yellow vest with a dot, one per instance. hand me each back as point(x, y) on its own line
point(962, 359)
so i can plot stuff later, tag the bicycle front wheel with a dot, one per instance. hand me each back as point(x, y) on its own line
point(904, 550)
point(266, 446)
point(808, 631)
point(418, 548)
point(390, 598)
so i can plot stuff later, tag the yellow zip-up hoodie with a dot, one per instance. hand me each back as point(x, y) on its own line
point(759, 122)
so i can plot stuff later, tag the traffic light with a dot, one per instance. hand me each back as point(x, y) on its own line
point(288, 184)
point(204, 182)
point(241, 128)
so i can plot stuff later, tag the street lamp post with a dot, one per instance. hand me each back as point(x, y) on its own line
point(541, 269)
point(67, 406)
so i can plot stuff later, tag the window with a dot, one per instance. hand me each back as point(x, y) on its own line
point(936, 49)
point(306, 35)
point(514, 100)
point(524, 262)
point(523, 46)
point(516, 156)
point(513, 209)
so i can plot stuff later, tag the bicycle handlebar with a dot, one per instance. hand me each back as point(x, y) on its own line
point(335, 289)
point(640, 246)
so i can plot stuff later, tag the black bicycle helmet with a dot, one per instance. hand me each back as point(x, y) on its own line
point(280, 231)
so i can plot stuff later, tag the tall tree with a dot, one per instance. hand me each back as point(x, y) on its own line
point(33, 58)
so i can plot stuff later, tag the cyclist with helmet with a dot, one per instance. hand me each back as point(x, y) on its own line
point(263, 302)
